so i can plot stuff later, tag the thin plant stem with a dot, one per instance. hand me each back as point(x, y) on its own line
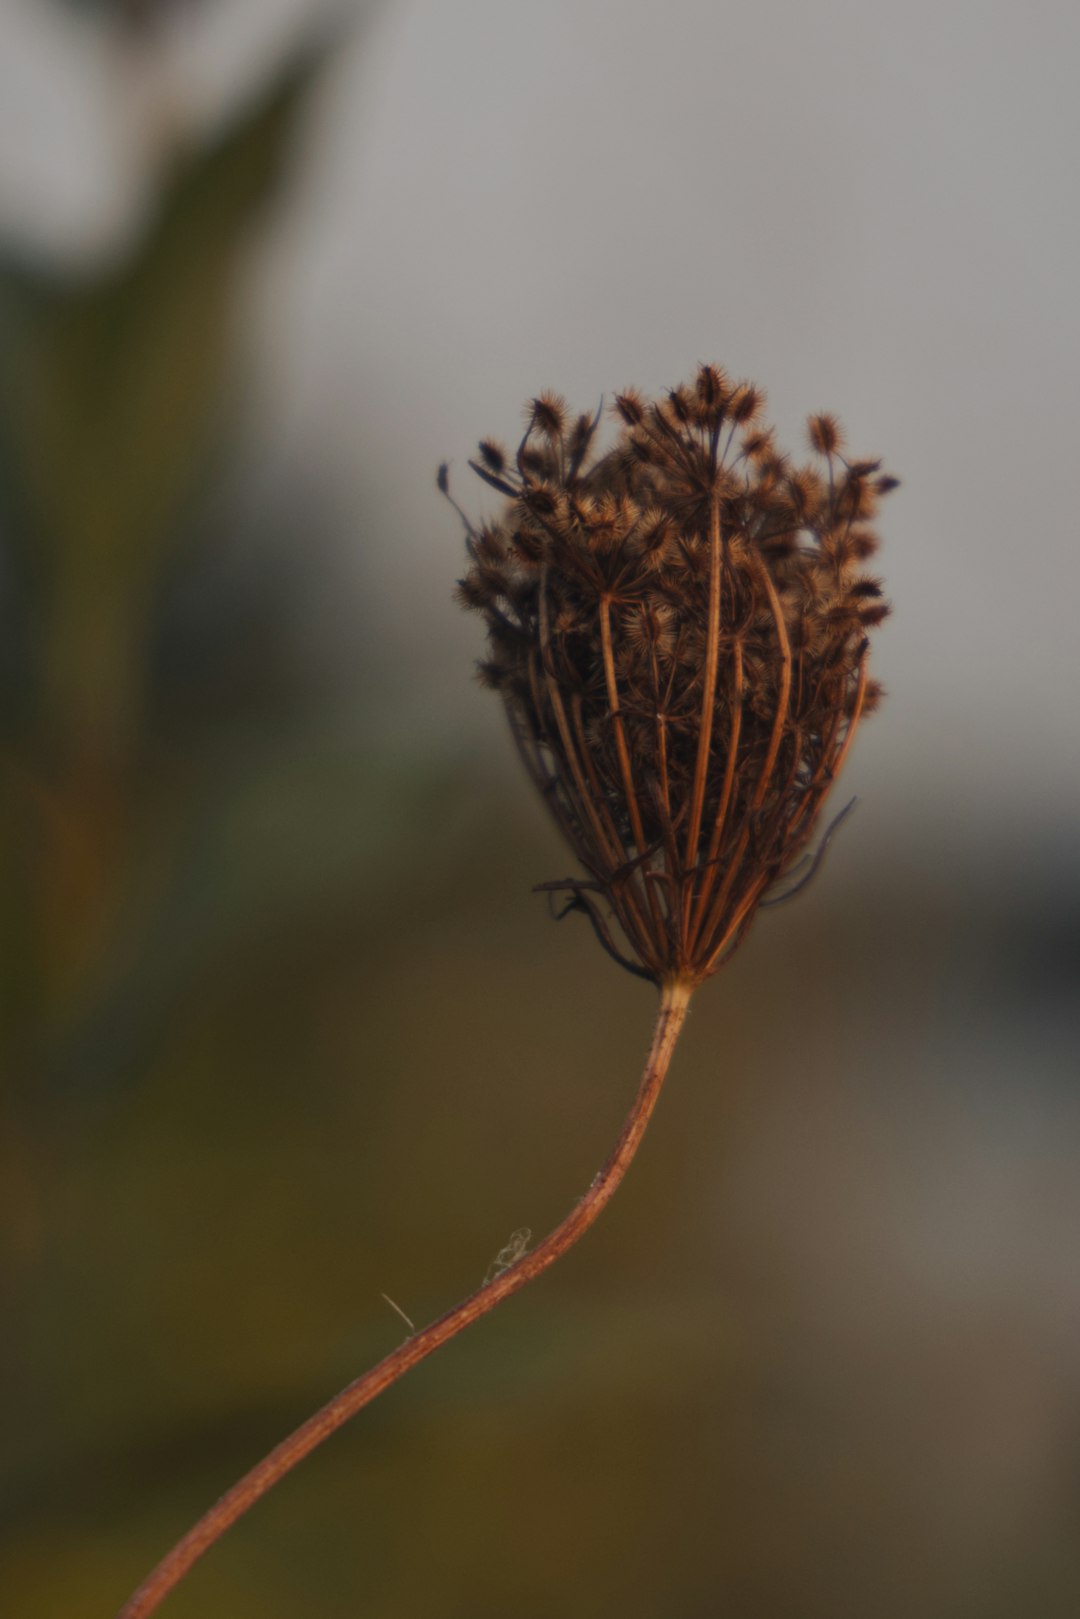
point(632, 806)
point(674, 1000)
point(708, 696)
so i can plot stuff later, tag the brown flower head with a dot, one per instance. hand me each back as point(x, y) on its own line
point(678, 630)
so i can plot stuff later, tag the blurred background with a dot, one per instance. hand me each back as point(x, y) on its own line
point(283, 1027)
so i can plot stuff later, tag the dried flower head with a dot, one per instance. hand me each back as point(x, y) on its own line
point(678, 629)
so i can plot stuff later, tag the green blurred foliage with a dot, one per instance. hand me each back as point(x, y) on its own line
point(115, 404)
point(157, 886)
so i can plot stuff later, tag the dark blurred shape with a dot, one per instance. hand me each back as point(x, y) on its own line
point(188, 830)
point(115, 415)
point(138, 16)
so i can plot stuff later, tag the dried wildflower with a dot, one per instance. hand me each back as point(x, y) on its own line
point(678, 629)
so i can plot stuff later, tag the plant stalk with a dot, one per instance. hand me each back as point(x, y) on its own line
point(674, 1000)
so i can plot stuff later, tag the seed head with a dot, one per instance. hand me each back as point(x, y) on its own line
point(678, 630)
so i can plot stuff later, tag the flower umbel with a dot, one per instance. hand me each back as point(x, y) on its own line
point(678, 629)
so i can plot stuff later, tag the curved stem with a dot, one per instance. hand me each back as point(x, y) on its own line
point(708, 697)
point(674, 1001)
point(629, 790)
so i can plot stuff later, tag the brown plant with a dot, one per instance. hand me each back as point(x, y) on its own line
point(678, 630)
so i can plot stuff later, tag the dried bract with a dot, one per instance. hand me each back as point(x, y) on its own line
point(678, 630)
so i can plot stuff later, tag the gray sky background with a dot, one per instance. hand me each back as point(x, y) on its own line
point(866, 208)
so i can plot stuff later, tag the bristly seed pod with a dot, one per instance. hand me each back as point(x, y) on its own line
point(678, 631)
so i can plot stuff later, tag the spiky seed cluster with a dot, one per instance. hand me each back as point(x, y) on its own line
point(678, 630)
